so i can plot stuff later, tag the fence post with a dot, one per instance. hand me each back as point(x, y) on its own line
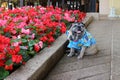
point(48, 3)
point(62, 3)
point(21, 3)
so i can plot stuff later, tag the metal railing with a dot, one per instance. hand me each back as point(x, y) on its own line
point(88, 6)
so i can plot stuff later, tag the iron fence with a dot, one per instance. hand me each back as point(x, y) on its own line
point(83, 5)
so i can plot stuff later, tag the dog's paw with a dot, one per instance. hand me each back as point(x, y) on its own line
point(70, 54)
point(79, 57)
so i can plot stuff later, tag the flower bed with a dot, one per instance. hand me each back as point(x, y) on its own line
point(25, 31)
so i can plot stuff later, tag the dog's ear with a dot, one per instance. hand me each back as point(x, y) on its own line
point(81, 24)
point(70, 26)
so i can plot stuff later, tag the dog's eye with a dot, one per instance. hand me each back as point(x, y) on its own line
point(75, 32)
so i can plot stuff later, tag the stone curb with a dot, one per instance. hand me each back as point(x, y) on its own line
point(40, 65)
point(88, 19)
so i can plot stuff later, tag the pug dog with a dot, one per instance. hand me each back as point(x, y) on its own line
point(81, 42)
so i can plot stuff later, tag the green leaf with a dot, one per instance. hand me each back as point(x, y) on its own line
point(26, 37)
point(1, 31)
point(18, 30)
point(31, 43)
point(3, 73)
point(8, 62)
point(14, 40)
point(30, 26)
point(53, 18)
point(33, 31)
point(24, 40)
point(13, 15)
point(26, 27)
point(36, 40)
point(32, 53)
point(25, 55)
point(30, 48)
point(45, 44)
point(33, 27)
point(7, 34)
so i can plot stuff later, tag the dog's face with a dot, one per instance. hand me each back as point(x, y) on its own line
point(76, 31)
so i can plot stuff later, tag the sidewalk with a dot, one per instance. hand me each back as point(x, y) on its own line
point(103, 66)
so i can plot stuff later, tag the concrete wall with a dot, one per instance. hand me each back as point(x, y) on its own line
point(116, 5)
point(104, 7)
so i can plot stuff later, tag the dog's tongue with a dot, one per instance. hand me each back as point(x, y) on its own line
point(78, 31)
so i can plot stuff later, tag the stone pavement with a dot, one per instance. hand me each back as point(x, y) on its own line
point(103, 66)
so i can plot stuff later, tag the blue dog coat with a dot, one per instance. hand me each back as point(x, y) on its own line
point(87, 40)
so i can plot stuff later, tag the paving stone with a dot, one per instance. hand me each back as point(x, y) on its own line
point(101, 53)
point(116, 40)
point(104, 46)
point(116, 77)
point(115, 62)
point(105, 76)
point(115, 65)
point(66, 60)
point(92, 71)
point(86, 62)
point(116, 52)
point(81, 73)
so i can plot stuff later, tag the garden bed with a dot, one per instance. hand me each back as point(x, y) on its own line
point(26, 31)
point(40, 65)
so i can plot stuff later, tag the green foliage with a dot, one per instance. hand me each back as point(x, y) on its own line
point(25, 55)
point(3, 73)
point(7, 34)
point(53, 18)
point(8, 62)
point(14, 40)
point(57, 32)
point(66, 23)
point(24, 40)
point(31, 43)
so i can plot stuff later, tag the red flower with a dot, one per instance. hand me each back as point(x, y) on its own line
point(2, 63)
point(36, 47)
point(44, 39)
point(23, 63)
point(17, 49)
point(2, 56)
point(11, 51)
point(14, 51)
point(63, 29)
point(4, 40)
point(2, 47)
point(51, 39)
point(9, 67)
point(16, 58)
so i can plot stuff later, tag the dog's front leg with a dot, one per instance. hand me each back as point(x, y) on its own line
point(80, 56)
point(72, 51)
